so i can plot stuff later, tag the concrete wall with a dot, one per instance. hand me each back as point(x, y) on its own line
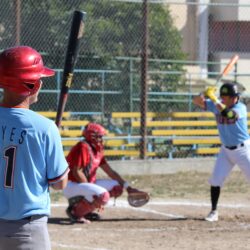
point(185, 19)
point(231, 13)
point(161, 166)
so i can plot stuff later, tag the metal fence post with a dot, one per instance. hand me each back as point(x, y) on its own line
point(144, 71)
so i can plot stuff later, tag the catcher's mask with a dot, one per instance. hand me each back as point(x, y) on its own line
point(229, 89)
point(93, 134)
point(21, 69)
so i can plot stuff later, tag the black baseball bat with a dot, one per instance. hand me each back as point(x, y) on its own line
point(76, 33)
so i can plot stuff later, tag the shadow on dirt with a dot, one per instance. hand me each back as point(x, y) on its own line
point(60, 221)
point(66, 221)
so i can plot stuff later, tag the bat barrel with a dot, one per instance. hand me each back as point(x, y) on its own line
point(76, 33)
point(228, 68)
point(73, 46)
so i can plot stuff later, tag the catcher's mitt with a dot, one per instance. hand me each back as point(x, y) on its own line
point(137, 198)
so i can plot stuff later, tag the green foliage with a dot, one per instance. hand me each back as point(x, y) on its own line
point(113, 29)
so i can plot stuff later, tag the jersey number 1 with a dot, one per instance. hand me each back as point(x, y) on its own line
point(10, 156)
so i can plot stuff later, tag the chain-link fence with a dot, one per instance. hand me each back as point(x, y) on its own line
point(189, 43)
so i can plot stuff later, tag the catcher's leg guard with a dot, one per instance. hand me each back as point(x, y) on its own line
point(79, 206)
point(105, 198)
point(116, 191)
point(101, 200)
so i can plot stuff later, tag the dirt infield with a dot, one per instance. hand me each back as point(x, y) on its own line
point(173, 219)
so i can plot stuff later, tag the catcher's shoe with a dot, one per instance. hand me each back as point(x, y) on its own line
point(212, 216)
point(92, 216)
point(75, 219)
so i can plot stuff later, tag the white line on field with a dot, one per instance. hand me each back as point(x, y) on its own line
point(55, 244)
point(160, 213)
point(146, 209)
point(75, 247)
point(124, 203)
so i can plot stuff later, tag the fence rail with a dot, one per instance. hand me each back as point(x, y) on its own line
point(189, 44)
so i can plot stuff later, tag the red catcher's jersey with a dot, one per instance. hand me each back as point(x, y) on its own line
point(82, 156)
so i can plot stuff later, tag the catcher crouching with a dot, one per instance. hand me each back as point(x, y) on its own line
point(85, 193)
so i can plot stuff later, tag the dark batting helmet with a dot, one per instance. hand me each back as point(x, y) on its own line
point(229, 89)
point(21, 69)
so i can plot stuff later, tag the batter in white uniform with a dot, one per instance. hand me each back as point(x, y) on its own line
point(231, 118)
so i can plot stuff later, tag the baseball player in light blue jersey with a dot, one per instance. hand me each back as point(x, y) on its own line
point(31, 154)
point(231, 118)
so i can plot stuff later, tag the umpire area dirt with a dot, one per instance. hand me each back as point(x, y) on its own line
point(173, 219)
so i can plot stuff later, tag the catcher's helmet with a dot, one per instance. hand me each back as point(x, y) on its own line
point(93, 134)
point(21, 68)
point(229, 89)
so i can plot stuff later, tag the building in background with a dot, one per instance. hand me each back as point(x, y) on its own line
point(214, 31)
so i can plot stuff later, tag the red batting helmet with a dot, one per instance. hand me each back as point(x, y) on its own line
point(93, 134)
point(21, 69)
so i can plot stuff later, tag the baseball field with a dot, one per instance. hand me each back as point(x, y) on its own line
point(173, 219)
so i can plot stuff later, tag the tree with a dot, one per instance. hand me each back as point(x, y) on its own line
point(113, 29)
point(117, 32)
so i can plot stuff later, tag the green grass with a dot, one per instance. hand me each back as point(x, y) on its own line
point(56, 195)
point(185, 185)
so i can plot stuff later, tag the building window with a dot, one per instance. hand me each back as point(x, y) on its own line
point(229, 36)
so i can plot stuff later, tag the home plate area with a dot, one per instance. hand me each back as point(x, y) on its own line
point(161, 224)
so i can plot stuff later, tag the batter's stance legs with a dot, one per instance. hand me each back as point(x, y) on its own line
point(215, 194)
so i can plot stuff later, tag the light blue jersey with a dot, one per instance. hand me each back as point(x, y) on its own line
point(232, 131)
point(31, 157)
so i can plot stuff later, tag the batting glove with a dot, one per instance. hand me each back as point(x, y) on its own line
point(210, 93)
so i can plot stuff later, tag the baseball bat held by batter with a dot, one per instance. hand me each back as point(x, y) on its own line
point(228, 68)
point(76, 33)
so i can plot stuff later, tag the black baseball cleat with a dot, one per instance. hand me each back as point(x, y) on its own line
point(92, 216)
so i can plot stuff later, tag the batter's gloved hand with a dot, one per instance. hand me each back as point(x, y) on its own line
point(137, 198)
point(210, 93)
